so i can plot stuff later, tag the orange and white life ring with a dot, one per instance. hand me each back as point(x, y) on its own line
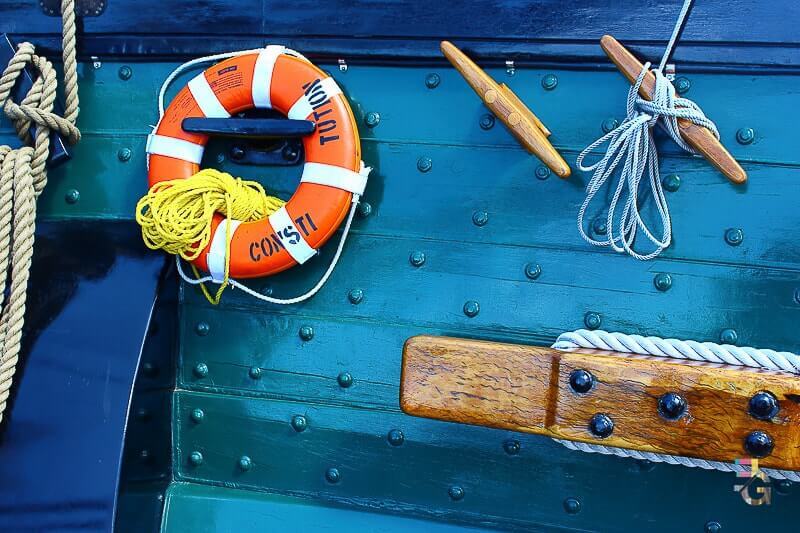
point(333, 176)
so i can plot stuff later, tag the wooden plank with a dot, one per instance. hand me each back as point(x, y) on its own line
point(526, 388)
point(542, 30)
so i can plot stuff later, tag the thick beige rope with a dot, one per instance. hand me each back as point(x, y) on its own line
point(23, 176)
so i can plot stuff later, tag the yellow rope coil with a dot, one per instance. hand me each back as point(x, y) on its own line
point(176, 215)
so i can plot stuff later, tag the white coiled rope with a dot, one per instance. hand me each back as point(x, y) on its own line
point(631, 144)
point(678, 349)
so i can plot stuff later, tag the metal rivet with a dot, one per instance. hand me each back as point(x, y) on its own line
point(145, 456)
point(332, 475)
point(662, 282)
point(142, 414)
point(671, 405)
point(581, 381)
point(728, 336)
point(289, 152)
point(572, 505)
point(125, 72)
point(149, 369)
point(713, 527)
point(197, 415)
point(201, 370)
point(395, 437)
point(202, 328)
point(609, 124)
point(599, 226)
point(237, 153)
point(124, 154)
point(364, 209)
point(758, 444)
point(480, 218)
point(72, 196)
point(592, 320)
point(745, 135)
point(682, 85)
point(601, 425)
point(355, 296)
point(424, 164)
point(196, 458)
point(432, 80)
point(764, 406)
point(255, 372)
point(542, 172)
point(372, 119)
point(671, 182)
point(456, 493)
point(345, 379)
point(220, 158)
point(417, 259)
point(783, 487)
point(472, 308)
point(549, 82)
point(511, 446)
point(299, 423)
point(245, 463)
point(533, 271)
point(487, 121)
point(734, 236)
point(306, 333)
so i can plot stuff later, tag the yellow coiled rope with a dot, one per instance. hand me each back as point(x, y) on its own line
point(176, 215)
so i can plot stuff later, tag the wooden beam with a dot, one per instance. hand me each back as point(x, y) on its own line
point(527, 388)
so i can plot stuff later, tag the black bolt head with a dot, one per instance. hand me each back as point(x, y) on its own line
point(758, 444)
point(237, 153)
point(601, 425)
point(671, 405)
point(764, 406)
point(581, 381)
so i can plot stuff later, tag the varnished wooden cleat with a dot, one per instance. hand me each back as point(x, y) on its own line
point(506, 106)
point(698, 137)
point(651, 404)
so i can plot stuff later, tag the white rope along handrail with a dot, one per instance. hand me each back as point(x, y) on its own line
point(23, 176)
point(632, 144)
point(678, 349)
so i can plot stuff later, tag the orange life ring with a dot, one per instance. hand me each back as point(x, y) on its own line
point(281, 79)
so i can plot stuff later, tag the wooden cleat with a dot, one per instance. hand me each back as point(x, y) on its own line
point(698, 137)
point(506, 106)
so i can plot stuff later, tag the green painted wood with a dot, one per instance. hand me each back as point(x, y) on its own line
point(526, 490)
point(203, 509)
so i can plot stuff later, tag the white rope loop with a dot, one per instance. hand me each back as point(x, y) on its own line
point(678, 349)
point(631, 143)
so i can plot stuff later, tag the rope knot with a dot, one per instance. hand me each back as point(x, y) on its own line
point(631, 143)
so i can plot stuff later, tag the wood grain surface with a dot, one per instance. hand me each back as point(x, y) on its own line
point(700, 138)
point(526, 388)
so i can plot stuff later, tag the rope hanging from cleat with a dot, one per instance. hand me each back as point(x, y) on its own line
point(23, 177)
point(631, 144)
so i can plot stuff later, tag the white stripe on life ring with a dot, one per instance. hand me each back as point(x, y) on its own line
point(216, 252)
point(302, 108)
point(172, 147)
point(290, 237)
point(333, 176)
point(206, 100)
point(262, 75)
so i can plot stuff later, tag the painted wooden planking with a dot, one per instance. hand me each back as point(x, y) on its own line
point(525, 490)
point(547, 29)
